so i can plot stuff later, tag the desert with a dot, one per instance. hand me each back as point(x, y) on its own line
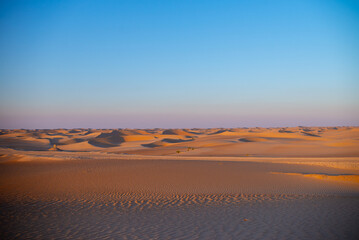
point(228, 183)
point(167, 119)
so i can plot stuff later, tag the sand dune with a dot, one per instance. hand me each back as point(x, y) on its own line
point(252, 139)
point(175, 132)
point(255, 142)
point(24, 143)
point(108, 139)
point(242, 183)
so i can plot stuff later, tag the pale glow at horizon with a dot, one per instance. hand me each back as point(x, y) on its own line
point(184, 64)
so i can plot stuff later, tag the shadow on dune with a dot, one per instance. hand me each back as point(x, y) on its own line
point(163, 142)
point(174, 132)
point(264, 139)
point(310, 134)
point(252, 139)
point(53, 141)
point(23, 145)
point(221, 131)
point(285, 131)
point(106, 140)
point(171, 140)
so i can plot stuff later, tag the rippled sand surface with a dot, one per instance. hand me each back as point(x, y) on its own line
point(159, 199)
point(193, 216)
point(240, 183)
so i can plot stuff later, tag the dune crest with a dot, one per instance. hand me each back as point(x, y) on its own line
point(235, 142)
point(111, 139)
point(240, 183)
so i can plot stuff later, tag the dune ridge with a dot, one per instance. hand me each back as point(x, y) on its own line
point(239, 183)
point(235, 142)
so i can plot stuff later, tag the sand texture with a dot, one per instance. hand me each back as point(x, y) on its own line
point(279, 183)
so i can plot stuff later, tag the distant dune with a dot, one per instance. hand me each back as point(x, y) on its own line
point(239, 183)
point(176, 132)
point(236, 142)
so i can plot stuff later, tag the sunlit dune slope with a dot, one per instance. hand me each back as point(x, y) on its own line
point(241, 142)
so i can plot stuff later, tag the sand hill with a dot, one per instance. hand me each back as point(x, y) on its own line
point(240, 183)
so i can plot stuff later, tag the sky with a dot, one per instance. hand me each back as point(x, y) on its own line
point(178, 64)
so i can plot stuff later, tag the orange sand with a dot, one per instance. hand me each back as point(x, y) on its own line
point(281, 183)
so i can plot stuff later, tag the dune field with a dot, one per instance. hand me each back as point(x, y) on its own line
point(238, 183)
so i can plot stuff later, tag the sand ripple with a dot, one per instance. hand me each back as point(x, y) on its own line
point(195, 216)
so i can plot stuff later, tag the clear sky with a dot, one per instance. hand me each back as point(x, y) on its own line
point(145, 64)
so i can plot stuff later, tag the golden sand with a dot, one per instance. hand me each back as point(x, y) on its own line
point(280, 183)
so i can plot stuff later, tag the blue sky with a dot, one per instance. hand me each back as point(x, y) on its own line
point(144, 64)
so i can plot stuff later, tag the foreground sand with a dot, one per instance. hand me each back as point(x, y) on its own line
point(306, 188)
